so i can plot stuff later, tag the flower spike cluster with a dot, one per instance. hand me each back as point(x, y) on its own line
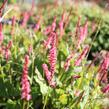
point(50, 44)
point(52, 59)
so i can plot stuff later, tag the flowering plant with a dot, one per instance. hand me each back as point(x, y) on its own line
point(47, 67)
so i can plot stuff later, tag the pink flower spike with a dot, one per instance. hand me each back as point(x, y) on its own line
point(105, 64)
point(1, 34)
point(47, 30)
point(48, 76)
point(67, 62)
point(37, 26)
point(52, 54)
point(48, 42)
point(9, 44)
point(105, 89)
point(25, 90)
point(103, 69)
point(6, 50)
point(13, 24)
point(30, 49)
point(26, 60)
point(26, 17)
point(61, 26)
point(63, 16)
point(93, 26)
point(47, 72)
point(7, 54)
point(78, 27)
point(28, 97)
point(52, 59)
point(83, 31)
point(53, 27)
point(82, 55)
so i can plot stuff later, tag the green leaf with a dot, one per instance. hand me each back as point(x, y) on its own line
point(11, 104)
point(41, 82)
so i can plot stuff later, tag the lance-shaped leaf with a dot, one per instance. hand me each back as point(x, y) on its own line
point(41, 82)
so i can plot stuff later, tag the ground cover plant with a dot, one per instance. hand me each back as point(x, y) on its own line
point(44, 58)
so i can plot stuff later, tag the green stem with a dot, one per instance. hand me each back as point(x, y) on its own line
point(32, 70)
point(45, 101)
point(27, 105)
point(24, 104)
